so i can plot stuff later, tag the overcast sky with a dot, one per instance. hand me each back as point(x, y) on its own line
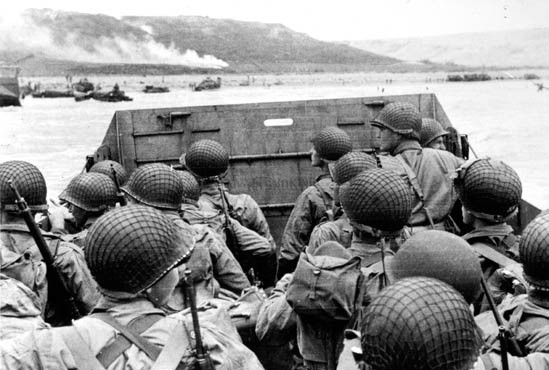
point(332, 19)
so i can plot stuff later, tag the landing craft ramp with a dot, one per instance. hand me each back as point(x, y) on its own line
point(268, 143)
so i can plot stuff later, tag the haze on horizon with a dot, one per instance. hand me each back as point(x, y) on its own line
point(333, 20)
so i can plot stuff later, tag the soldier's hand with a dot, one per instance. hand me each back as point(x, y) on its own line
point(509, 279)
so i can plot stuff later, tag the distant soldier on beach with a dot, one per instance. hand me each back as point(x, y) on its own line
point(428, 171)
point(317, 201)
point(15, 236)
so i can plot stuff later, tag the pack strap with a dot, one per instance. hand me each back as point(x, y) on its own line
point(328, 202)
point(492, 255)
point(412, 177)
point(79, 349)
point(174, 350)
point(111, 352)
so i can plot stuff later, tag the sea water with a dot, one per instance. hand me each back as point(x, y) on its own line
point(505, 119)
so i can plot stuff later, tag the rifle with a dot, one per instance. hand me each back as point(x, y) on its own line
point(203, 359)
point(230, 235)
point(55, 279)
point(119, 194)
point(507, 341)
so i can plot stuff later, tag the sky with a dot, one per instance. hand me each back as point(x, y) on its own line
point(333, 19)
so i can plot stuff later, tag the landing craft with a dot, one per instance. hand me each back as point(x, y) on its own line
point(269, 143)
point(9, 86)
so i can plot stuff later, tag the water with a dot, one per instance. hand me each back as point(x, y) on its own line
point(506, 119)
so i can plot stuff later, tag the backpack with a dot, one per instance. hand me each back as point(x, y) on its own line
point(326, 288)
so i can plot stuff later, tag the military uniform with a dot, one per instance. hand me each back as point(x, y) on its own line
point(146, 241)
point(244, 209)
point(339, 231)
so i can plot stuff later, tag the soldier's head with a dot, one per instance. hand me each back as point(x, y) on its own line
point(489, 190)
point(89, 195)
point(534, 255)
point(440, 255)
point(30, 183)
point(207, 159)
point(107, 166)
point(420, 323)
point(432, 134)
point(350, 165)
point(191, 188)
point(329, 145)
point(397, 122)
point(377, 198)
point(135, 250)
point(156, 185)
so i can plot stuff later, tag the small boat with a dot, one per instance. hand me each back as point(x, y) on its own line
point(150, 89)
point(208, 84)
point(53, 94)
point(115, 95)
point(9, 86)
point(83, 86)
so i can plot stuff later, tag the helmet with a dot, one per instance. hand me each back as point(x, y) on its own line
point(106, 167)
point(377, 198)
point(440, 255)
point(156, 185)
point(422, 324)
point(130, 248)
point(351, 164)
point(489, 189)
point(191, 188)
point(90, 191)
point(534, 252)
point(331, 143)
point(28, 180)
point(207, 158)
point(430, 130)
point(402, 118)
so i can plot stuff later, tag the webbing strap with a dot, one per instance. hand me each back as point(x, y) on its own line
point(175, 348)
point(492, 255)
point(328, 203)
point(111, 352)
point(79, 349)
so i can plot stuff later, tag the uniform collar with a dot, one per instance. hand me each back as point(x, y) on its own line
point(406, 145)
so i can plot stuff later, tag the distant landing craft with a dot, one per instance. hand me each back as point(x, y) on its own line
point(540, 86)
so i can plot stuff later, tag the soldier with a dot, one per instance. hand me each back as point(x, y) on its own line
point(439, 331)
point(15, 237)
point(157, 185)
point(526, 315)
point(428, 170)
point(251, 249)
point(378, 203)
point(490, 192)
point(201, 157)
point(134, 253)
point(340, 230)
point(316, 202)
point(432, 134)
point(88, 196)
point(106, 167)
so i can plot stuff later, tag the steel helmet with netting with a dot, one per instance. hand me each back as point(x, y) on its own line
point(130, 248)
point(420, 324)
point(430, 130)
point(402, 118)
point(331, 143)
point(29, 182)
point(92, 191)
point(207, 158)
point(107, 166)
point(156, 185)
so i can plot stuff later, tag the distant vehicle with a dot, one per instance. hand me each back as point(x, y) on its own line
point(9, 86)
point(115, 95)
point(208, 84)
point(83, 86)
point(53, 94)
point(150, 89)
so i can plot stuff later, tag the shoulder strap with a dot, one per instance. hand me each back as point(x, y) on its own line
point(131, 333)
point(328, 202)
point(79, 349)
point(411, 177)
point(492, 255)
point(174, 350)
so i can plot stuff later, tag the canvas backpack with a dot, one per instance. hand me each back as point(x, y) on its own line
point(326, 288)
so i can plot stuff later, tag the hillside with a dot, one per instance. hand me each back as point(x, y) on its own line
point(69, 42)
point(520, 48)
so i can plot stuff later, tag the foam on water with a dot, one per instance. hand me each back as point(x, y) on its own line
point(504, 119)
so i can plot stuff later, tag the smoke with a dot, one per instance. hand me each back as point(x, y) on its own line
point(20, 34)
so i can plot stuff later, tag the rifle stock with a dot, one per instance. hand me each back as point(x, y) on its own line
point(55, 279)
